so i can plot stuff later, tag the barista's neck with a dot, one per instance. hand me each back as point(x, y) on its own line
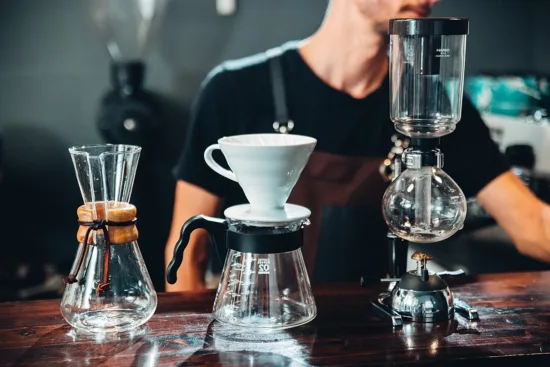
point(347, 54)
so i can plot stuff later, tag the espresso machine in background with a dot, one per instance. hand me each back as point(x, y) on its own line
point(423, 204)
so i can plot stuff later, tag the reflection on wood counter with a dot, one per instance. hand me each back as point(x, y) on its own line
point(514, 325)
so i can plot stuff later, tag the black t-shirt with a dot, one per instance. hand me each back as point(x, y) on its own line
point(236, 98)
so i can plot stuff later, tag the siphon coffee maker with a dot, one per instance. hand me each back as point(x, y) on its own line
point(264, 283)
point(423, 204)
point(109, 288)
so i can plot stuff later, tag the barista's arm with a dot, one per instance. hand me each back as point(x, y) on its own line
point(190, 200)
point(524, 217)
point(199, 188)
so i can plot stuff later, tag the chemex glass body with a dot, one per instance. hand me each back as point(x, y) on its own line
point(109, 288)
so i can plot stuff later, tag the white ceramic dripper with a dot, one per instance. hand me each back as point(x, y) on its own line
point(266, 166)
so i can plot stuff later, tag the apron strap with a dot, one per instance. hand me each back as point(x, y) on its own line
point(283, 124)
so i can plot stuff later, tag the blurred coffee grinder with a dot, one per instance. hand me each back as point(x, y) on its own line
point(128, 113)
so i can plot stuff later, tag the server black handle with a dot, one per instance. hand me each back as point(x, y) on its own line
point(210, 224)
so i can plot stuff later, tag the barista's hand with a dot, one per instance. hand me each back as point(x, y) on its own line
point(520, 213)
point(190, 200)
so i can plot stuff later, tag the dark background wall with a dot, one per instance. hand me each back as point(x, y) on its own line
point(54, 69)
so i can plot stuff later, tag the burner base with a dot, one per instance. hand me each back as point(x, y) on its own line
point(383, 310)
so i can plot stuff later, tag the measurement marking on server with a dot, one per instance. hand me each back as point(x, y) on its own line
point(263, 266)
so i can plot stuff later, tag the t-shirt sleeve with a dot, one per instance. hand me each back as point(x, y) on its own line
point(471, 157)
point(204, 129)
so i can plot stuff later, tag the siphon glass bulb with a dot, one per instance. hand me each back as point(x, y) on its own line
point(424, 205)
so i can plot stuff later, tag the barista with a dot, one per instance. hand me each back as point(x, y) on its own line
point(336, 86)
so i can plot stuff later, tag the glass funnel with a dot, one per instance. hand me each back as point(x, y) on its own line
point(427, 60)
point(265, 290)
point(109, 288)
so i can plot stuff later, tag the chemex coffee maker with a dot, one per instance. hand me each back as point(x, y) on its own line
point(423, 204)
point(108, 289)
point(264, 284)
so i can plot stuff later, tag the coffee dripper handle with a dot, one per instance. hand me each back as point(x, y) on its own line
point(210, 224)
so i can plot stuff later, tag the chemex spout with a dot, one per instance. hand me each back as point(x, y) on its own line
point(210, 224)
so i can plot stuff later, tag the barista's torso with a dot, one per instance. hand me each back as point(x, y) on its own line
point(341, 184)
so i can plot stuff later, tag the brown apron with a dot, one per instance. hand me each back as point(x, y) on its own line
point(347, 234)
point(346, 237)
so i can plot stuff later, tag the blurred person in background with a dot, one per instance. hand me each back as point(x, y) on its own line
point(337, 91)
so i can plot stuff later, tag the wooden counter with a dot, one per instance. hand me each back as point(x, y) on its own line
point(514, 328)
